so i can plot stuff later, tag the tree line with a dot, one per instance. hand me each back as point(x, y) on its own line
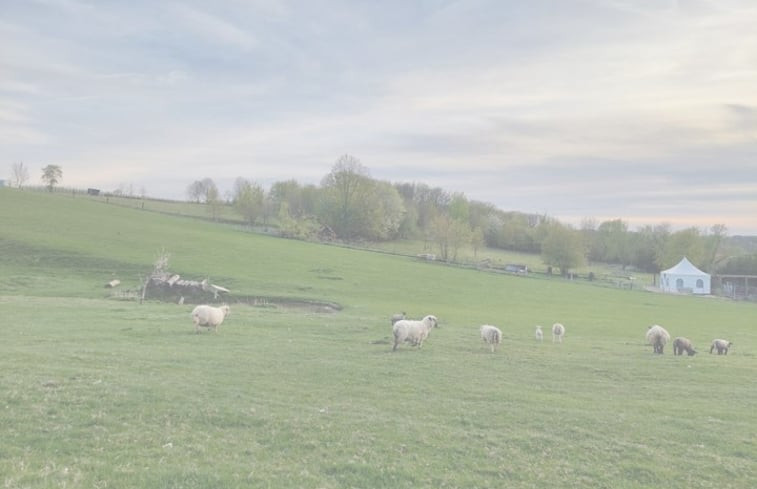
point(350, 205)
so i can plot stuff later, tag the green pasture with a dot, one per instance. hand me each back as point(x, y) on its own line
point(104, 392)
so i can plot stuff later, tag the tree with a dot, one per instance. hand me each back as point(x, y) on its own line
point(213, 201)
point(19, 174)
point(202, 190)
point(459, 208)
point(562, 247)
point(196, 191)
point(450, 234)
point(686, 242)
point(650, 249)
point(248, 200)
point(614, 242)
point(713, 243)
point(51, 175)
point(288, 192)
point(386, 211)
point(343, 204)
point(477, 240)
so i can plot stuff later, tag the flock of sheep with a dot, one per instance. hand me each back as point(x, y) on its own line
point(415, 332)
point(658, 337)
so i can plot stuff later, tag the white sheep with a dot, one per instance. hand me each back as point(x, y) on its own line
point(539, 334)
point(658, 337)
point(209, 316)
point(413, 331)
point(721, 346)
point(558, 331)
point(491, 335)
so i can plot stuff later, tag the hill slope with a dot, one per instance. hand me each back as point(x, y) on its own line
point(110, 393)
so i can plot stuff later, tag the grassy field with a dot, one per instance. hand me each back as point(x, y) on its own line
point(99, 392)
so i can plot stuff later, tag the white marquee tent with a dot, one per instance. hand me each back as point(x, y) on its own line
point(685, 278)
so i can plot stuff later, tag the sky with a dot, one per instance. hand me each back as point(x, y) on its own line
point(643, 110)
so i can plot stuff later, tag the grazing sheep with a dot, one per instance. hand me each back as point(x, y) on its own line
point(658, 337)
point(721, 345)
point(413, 331)
point(398, 317)
point(539, 335)
point(491, 335)
point(558, 331)
point(681, 344)
point(209, 316)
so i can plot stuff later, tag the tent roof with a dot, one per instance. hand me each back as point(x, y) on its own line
point(685, 267)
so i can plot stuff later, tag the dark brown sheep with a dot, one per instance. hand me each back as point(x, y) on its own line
point(681, 345)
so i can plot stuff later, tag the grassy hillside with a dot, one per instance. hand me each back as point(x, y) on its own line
point(106, 393)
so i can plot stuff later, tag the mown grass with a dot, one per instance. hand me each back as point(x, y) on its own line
point(105, 393)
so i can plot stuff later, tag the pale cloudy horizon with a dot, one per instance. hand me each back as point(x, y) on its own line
point(642, 110)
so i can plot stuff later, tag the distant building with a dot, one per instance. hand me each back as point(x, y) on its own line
point(2, 183)
point(685, 278)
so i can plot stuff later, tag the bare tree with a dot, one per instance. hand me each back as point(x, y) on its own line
point(195, 191)
point(20, 174)
point(51, 175)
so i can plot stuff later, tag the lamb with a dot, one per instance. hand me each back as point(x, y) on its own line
point(491, 335)
point(413, 331)
point(558, 331)
point(721, 345)
point(539, 335)
point(398, 317)
point(681, 344)
point(658, 337)
point(209, 316)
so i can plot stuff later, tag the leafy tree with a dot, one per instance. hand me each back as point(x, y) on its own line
point(713, 247)
point(476, 240)
point(386, 211)
point(409, 226)
point(614, 242)
point(513, 231)
point(290, 227)
point(19, 174)
point(459, 208)
point(343, 204)
point(449, 234)
point(51, 175)
point(213, 201)
point(287, 192)
point(479, 213)
point(740, 265)
point(562, 247)
point(248, 200)
point(310, 198)
point(686, 242)
point(650, 247)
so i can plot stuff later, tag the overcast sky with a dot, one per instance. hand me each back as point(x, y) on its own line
point(644, 110)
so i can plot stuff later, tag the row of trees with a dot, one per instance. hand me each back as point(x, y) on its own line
point(350, 205)
point(51, 175)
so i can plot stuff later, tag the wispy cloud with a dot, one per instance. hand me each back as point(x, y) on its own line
point(587, 108)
